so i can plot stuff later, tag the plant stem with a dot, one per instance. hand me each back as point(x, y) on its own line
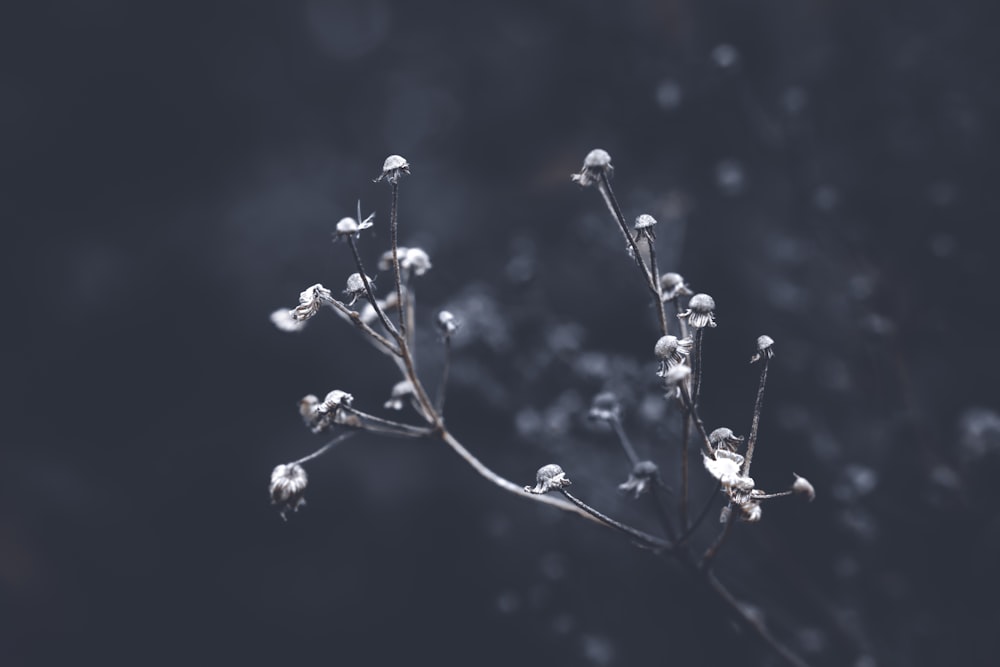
point(651, 541)
point(758, 404)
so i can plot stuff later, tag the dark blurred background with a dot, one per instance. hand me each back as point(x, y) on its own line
point(171, 174)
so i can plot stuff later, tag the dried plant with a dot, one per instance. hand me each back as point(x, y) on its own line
point(388, 325)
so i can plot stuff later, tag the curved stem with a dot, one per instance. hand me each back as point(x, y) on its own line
point(758, 404)
point(325, 448)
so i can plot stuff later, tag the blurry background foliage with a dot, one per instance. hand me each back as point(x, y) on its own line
point(171, 173)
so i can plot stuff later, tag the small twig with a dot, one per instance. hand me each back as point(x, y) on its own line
point(354, 317)
point(395, 428)
point(685, 441)
point(697, 363)
point(654, 269)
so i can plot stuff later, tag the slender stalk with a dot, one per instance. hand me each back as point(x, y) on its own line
point(698, 364)
point(506, 484)
point(325, 448)
point(685, 440)
point(713, 550)
point(369, 291)
point(758, 404)
point(352, 316)
point(616, 424)
point(655, 270)
point(397, 428)
point(393, 227)
point(442, 387)
point(651, 541)
point(609, 198)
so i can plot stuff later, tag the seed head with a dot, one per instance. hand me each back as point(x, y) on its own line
point(644, 225)
point(605, 407)
point(393, 169)
point(700, 312)
point(335, 400)
point(725, 467)
point(802, 487)
point(447, 323)
point(351, 227)
point(548, 478)
point(400, 391)
point(765, 349)
point(596, 163)
point(674, 378)
point(644, 475)
point(288, 483)
point(724, 438)
point(672, 285)
point(356, 287)
point(671, 351)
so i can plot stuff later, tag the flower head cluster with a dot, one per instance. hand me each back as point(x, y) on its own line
point(596, 164)
point(700, 312)
point(447, 324)
point(288, 484)
point(549, 478)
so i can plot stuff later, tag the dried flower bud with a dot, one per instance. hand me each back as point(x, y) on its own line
point(725, 467)
point(335, 400)
point(311, 415)
point(644, 227)
point(596, 163)
point(350, 226)
point(765, 349)
point(356, 287)
point(310, 301)
point(671, 351)
point(672, 285)
point(750, 511)
point(605, 407)
point(548, 478)
point(447, 323)
point(400, 391)
point(393, 169)
point(415, 260)
point(674, 378)
point(724, 438)
point(644, 475)
point(700, 312)
point(284, 319)
point(288, 484)
point(802, 487)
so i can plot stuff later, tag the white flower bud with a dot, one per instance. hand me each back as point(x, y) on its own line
point(802, 487)
point(310, 301)
point(355, 287)
point(447, 323)
point(672, 285)
point(400, 391)
point(725, 467)
point(724, 437)
point(284, 319)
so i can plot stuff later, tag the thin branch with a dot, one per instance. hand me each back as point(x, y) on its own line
point(443, 385)
point(654, 269)
point(368, 289)
point(651, 541)
point(393, 227)
point(616, 424)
